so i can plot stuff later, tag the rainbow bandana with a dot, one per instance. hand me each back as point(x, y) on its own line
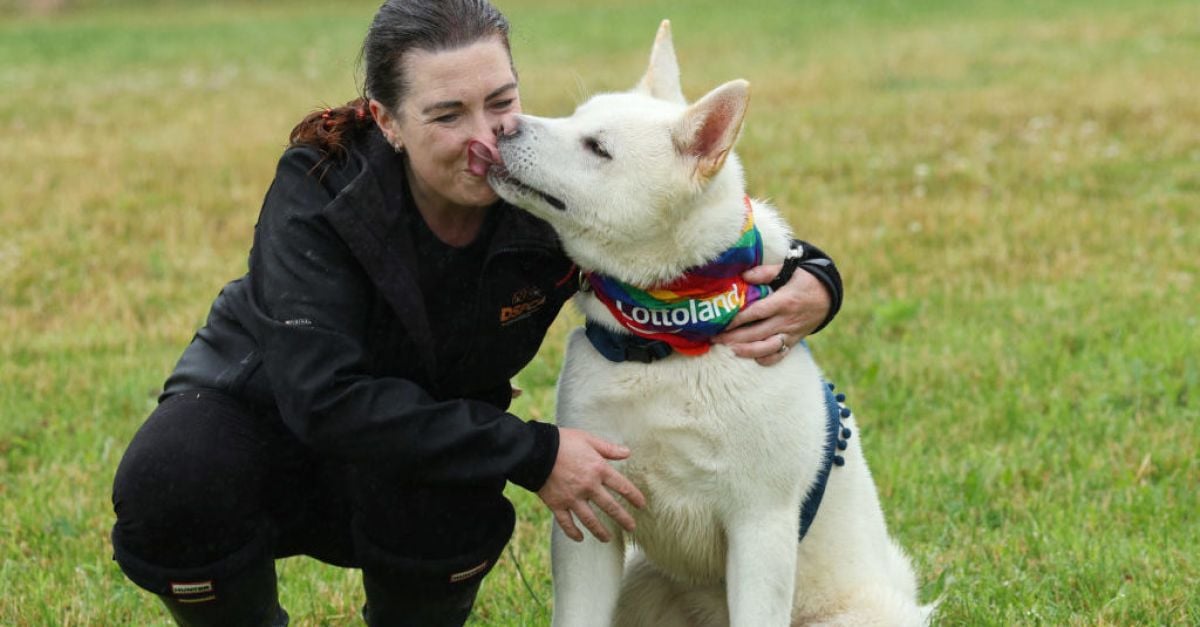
point(688, 311)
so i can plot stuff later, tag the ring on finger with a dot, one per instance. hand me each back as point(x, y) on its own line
point(783, 345)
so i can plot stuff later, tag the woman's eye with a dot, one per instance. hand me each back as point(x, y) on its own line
point(445, 119)
point(503, 104)
point(593, 145)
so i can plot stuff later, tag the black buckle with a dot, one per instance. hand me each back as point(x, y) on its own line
point(647, 352)
point(790, 263)
point(618, 347)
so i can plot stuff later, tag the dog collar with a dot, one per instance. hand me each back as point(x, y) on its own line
point(687, 312)
point(619, 347)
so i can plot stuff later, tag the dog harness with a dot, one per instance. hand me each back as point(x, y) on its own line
point(688, 311)
point(836, 436)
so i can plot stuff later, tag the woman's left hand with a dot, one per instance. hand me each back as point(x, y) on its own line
point(768, 328)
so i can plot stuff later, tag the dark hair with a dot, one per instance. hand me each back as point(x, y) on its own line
point(398, 27)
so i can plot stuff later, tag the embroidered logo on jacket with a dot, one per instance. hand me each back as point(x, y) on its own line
point(525, 302)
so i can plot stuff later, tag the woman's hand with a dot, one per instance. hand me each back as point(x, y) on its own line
point(769, 327)
point(582, 476)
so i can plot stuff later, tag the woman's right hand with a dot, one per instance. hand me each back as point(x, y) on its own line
point(582, 476)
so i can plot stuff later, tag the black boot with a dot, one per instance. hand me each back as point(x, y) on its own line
point(392, 603)
point(249, 599)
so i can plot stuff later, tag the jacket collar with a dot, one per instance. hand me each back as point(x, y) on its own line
point(366, 215)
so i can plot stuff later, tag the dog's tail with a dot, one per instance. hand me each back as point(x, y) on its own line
point(882, 606)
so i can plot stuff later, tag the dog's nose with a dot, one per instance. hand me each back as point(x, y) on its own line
point(509, 131)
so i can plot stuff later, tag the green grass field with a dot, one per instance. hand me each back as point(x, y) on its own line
point(1011, 190)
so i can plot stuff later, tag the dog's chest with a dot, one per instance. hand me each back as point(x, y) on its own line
point(687, 418)
point(710, 436)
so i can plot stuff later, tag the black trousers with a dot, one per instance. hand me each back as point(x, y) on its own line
point(210, 487)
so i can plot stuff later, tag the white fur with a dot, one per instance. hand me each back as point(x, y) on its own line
point(723, 449)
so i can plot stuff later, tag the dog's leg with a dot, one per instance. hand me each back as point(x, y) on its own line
point(587, 578)
point(761, 567)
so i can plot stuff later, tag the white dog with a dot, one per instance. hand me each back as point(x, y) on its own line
point(645, 192)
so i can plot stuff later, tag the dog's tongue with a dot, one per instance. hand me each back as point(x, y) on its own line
point(480, 157)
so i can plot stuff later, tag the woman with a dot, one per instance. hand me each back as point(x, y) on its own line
point(346, 398)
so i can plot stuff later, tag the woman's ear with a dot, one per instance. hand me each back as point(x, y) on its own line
point(386, 123)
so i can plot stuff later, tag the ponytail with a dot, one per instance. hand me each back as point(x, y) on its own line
point(328, 130)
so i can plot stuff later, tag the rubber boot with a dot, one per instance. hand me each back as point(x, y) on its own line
point(249, 599)
point(391, 603)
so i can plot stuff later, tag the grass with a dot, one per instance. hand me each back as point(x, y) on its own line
point(1011, 189)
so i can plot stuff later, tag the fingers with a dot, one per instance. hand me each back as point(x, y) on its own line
point(770, 360)
point(581, 479)
point(590, 521)
point(762, 274)
point(774, 347)
point(762, 345)
point(773, 308)
point(610, 478)
point(613, 479)
point(767, 351)
point(610, 506)
point(796, 309)
point(567, 523)
point(743, 328)
point(608, 450)
point(618, 483)
point(582, 509)
point(587, 516)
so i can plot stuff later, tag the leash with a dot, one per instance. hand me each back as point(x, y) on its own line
point(521, 573)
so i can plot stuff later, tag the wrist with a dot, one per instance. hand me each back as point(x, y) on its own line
point(826, 274)
point(535, 469)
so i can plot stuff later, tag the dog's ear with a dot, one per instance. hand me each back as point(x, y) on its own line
point(710, 127)
point(662, 76)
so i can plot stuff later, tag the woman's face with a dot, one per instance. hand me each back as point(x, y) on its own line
point(454, 97)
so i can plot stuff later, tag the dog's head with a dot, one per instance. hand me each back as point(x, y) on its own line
point(618, 177)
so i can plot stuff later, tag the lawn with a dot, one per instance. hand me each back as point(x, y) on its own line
point(1011, 191)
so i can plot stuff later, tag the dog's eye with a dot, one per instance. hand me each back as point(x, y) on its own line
point(592, 144)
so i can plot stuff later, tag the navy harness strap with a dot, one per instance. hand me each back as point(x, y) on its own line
point(835, 435)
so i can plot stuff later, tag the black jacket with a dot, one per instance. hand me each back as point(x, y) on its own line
point(329, 329)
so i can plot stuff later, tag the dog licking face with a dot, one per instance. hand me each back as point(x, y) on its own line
point(627, 168)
